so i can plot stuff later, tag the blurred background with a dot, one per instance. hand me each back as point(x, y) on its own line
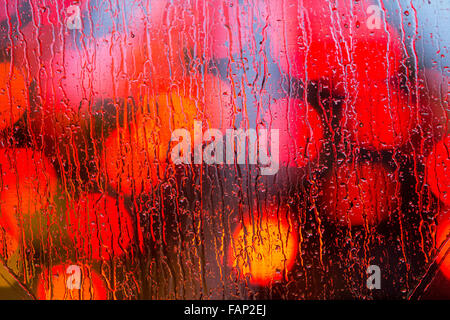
point(93, 207)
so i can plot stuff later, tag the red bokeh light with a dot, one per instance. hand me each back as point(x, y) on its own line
point(100, 226)
point(438, 170)
point(443, 239)
point(300, 129)
point(29, 184)
point(319, 41)
point(358, 193)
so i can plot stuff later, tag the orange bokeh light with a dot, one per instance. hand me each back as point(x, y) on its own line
point(135, 156)
point(13, 95)
point(264, 250)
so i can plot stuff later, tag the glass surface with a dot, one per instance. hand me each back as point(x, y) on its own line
point(224, 149)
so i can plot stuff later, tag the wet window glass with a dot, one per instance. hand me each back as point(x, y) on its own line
point(224, 149)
